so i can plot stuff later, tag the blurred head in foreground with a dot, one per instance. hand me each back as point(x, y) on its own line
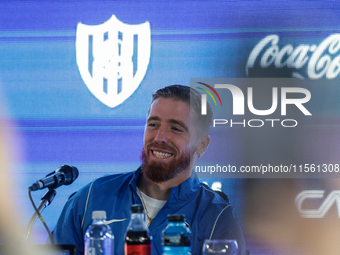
point(11, 229)
point(273, 218)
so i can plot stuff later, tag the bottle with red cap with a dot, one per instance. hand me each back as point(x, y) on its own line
point(137, 239)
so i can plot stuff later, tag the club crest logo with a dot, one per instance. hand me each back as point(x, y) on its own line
point(113, 58)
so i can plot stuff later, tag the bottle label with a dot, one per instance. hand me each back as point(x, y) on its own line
point(176, 240)
point(139, 249)
point(90, 251)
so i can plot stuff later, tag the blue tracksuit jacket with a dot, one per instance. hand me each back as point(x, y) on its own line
point(208, 215)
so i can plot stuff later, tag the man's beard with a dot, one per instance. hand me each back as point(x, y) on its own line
point(160, 172)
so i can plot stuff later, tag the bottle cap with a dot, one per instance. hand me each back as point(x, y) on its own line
point(176, 218)
point(137, 208)
point(97, 215)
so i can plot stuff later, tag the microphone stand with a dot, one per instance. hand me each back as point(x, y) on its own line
point(45, 201)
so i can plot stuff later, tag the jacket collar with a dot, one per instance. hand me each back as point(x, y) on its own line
point(183, 192)
point(134, 180)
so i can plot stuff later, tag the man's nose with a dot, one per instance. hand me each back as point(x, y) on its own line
point(161, 135)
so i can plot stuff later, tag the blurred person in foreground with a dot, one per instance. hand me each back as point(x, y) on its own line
point(277, 217)
point(11, 231)
point(175, 134)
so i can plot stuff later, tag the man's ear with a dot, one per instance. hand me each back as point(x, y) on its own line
point(203, 144)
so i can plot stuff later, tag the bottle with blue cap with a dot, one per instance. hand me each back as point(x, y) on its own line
point(176, 237)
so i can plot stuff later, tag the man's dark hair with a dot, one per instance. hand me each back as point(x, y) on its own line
point(190, 96)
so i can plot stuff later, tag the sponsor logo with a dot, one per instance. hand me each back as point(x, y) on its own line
point(319, 61)
point(317, 195)
point(113, 58)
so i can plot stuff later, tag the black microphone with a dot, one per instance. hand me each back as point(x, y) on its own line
point(65, 175)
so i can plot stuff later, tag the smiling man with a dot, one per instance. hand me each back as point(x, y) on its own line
point(175, 134)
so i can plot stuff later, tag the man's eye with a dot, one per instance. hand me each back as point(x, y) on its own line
point(177, 129)
point(152, 125)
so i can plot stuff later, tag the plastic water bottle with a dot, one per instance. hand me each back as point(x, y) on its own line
point(98, 237)
point(137, 239)
point(176, 237)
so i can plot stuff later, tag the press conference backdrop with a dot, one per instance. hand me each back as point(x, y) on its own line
point(77, 78)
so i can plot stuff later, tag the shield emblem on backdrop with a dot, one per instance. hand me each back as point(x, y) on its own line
point(113, 58)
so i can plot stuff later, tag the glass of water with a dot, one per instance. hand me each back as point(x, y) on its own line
point(220, 247)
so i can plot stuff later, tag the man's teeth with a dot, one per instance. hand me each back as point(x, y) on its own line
point(161, 154)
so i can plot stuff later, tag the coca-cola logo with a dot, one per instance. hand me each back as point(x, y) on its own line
point(317, 61)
